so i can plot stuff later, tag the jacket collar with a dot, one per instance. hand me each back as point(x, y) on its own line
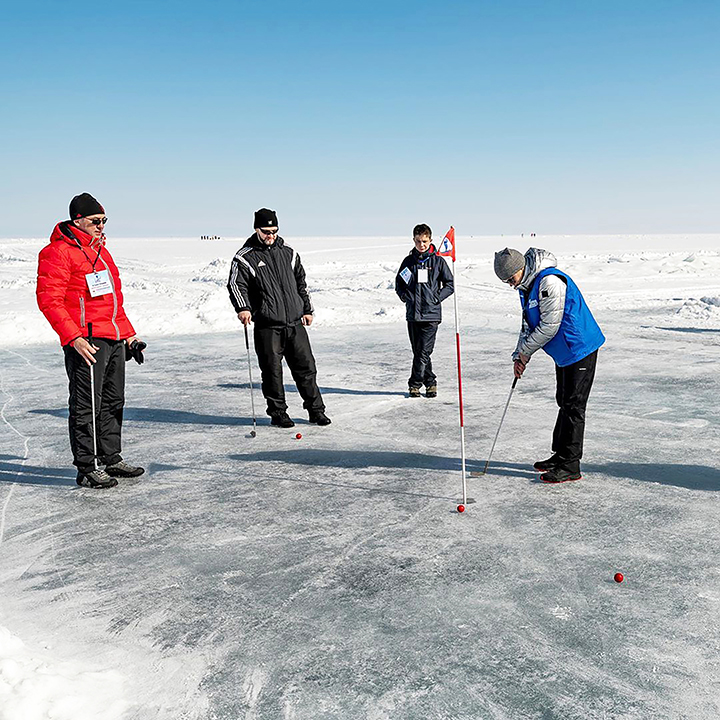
point(67, 232)
point(255, 242)
point(423, 256)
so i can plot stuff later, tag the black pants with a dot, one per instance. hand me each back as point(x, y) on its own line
point(109, 376)
point(574, 383)
point(272, 344)
point(422, 339)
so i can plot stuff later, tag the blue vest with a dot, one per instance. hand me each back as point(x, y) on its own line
point(578, 335)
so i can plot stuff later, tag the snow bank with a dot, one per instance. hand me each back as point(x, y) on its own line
point(704, 311)
point(176, 286)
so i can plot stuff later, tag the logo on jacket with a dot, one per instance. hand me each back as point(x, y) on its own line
point(261, 264)
point(533, 303)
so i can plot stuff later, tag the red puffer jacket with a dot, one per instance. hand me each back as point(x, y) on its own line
point(62, 290)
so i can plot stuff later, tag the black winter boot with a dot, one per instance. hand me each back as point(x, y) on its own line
point(281, 419)
point(544, 465)
point(560, 474)
point(319, 418)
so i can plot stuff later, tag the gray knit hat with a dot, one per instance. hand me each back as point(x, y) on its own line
point(508, 262)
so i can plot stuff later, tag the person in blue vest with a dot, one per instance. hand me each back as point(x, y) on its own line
point(556, 319)
point(423, 281)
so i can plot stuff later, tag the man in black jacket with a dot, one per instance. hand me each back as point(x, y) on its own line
point(267, 286)
point(422, 283)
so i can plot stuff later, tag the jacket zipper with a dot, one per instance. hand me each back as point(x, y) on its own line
point(82, 311)
point(115, 305)
point(423, 288)
point(278, 275)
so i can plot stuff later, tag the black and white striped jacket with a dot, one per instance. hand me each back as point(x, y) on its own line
point(269, 281)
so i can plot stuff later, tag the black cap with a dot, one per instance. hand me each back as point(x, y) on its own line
point(265, 218)
point(84, 205)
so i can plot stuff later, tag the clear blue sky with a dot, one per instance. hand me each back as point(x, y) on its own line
point(362, 118)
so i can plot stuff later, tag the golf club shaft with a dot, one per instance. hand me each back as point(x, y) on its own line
point(252, 398)
point(502, 419)
point(92, 400)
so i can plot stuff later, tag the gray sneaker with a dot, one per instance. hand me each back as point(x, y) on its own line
point(431, 391)
point(95, 479)
point(124, 470)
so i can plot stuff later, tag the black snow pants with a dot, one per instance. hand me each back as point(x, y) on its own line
point(422, 339)
point(272, 344)
point(109, 377)
point(574, 383)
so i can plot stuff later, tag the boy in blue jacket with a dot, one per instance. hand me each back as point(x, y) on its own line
point(422, 283)
point(556, 319)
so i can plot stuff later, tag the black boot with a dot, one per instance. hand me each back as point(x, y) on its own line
point(561, 474)
point(544, 465)
point(319, 418)
point(281, 419)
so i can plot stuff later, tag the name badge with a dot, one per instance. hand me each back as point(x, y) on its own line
point(422, 275)
point(406, 275)
point(99, 283)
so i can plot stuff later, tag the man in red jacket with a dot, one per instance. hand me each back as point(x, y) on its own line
point(78, 287)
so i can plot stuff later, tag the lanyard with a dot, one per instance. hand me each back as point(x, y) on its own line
point(97, 257)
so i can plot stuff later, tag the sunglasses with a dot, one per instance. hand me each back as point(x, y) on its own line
point(97, 221)
point(269, 232)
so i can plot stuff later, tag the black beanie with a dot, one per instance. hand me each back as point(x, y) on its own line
point(84, 205)
point(265, 218)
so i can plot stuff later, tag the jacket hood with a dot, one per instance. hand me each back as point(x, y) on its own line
point(67, 232)
point(536, 260)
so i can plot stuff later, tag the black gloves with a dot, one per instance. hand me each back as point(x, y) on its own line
point(135, 350)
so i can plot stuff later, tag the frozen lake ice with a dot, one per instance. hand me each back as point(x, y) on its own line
point(331, 577)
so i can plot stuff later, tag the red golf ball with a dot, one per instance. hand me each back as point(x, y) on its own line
point(298, 436)
point(619, 577)
point(461, 508)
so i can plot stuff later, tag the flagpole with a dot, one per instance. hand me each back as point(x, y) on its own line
point(451, 237)
point(460, 395)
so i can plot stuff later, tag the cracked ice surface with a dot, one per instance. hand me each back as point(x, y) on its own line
point(330, 577)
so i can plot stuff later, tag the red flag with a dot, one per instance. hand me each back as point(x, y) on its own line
point(447, 246)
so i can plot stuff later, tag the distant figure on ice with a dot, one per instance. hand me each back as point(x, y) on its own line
point(556, 319)
point(422, 283)
point(267, 287)
point(78, 285)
